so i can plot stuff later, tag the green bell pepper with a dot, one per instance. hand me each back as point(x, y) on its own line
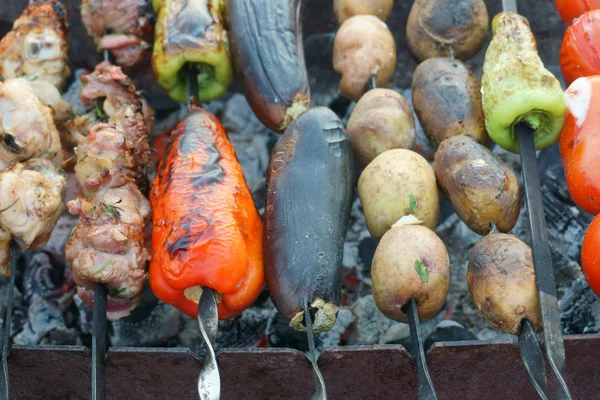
point(517, 88)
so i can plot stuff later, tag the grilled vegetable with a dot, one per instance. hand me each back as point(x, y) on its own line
point(447, 28)
point(206, 230)
point(363, 47)
point(310, 179)
point(571, 9)
point(580, 144)
point(517, 88)
point(447, 100)
point(382, 120)
point(411, 262)
point(482, 189)
point(590, 256)
point(345, 9)
point(579, 50)
point(191, 33)
point(398, 182)
point(266, 45)
point(501, 279)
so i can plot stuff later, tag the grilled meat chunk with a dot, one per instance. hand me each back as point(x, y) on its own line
point(27, 129)
point(109, 245)
point(104, 148)
point(36, 48)
point(116, 97)
point(124, 27)
point(50, 96)
point(32, 199)
point(5, 239)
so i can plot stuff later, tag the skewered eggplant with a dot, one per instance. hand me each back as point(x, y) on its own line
point(363, 47)
point(382, 120)
point(517, 88)
point(482, 189)
point(206, 230)
point(411, 262)
point(309, 193)
point(447, 28)
point(268, 56)
point(398, 182)
point(191, 33)
point(447, 100)
point(501, 279)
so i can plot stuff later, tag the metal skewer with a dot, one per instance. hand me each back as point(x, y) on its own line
point(426, 389)
point(320, 390)
point(533, 358)
point(99, 334)
point(209, 380)
point(4, 381)
point(542, 260)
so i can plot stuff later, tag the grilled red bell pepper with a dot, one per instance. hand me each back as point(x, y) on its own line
point(571, 9)
point(580, 143)
point(579, 53)
point(206, 230)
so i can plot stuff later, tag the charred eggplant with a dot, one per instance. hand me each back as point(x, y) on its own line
point(310, 179)
point(267, 52)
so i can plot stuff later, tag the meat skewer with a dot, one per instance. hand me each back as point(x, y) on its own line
point(107, 250)
point(122, 27)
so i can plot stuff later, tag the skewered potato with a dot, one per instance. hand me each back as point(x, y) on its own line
point(345, 9)
point(398, 182)
point(447, 100)
point(447, 28)
point(411, 261)
point(382, 120)
point(482, 189)
point(363, 47)
point(501, 279)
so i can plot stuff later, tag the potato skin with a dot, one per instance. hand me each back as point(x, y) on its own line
point(385, 186)
point(395, 279)
point(345, 9)
point(363, 46)
point(481, 188)
point(447, 28)
point(501, 279)
point(382, 120)
point(447, 100)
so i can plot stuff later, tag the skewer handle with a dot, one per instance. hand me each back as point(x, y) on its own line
point(426, 389)
point(533, 358)
point(320, 390)
point(99, 344)
point(542, 260)
point(4, 378)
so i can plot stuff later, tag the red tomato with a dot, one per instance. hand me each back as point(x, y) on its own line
point(571, 9)
point(579, 50)
point(590, 255)
point(580, 143)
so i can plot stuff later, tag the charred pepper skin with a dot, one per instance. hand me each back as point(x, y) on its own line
point(310, 181)
point(206, 229)
point(191, 32)
point(268, 56)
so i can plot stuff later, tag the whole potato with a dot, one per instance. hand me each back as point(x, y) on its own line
point(482, 189)
point(411, 262)
point(501, 279)
point(447, 100)
point(345, 9)
point(447, 28)
point(390, 183)
point(363, 47)
point(382, 120)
